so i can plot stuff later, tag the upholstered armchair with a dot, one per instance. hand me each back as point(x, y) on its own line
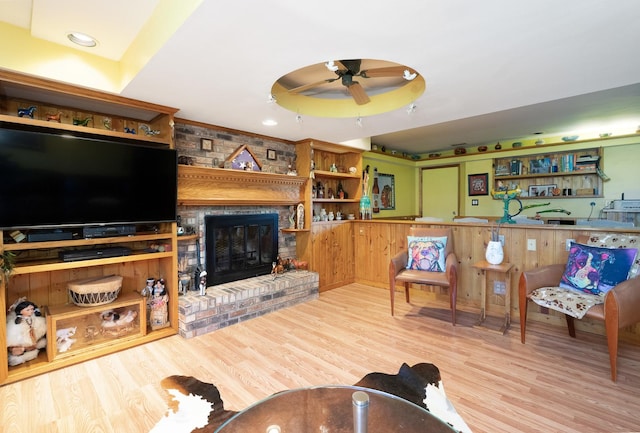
point(444, 276)
point(621, 307)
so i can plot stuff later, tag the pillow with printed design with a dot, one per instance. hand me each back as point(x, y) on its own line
point(596, 270)
point(427, 253)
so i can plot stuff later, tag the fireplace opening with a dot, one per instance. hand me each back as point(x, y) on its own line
point(240, 246)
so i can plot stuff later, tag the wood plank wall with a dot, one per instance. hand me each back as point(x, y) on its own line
point(377, 241)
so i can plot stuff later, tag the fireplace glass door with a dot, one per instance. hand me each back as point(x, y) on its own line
point(240, 246)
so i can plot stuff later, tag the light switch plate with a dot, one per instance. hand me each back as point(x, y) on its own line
point(531, 244)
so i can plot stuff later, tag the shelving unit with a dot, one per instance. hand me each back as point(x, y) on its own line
point(323, 156)
point(552, 175)
point(41, 275)
point(328, 245)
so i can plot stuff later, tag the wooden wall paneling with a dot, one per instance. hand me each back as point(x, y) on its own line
point(469, 245)
point(319, 246)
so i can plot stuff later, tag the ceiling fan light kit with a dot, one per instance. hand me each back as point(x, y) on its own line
point(381, 86)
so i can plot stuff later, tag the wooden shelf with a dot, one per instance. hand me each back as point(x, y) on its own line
point(216, 186)
point(38, 272)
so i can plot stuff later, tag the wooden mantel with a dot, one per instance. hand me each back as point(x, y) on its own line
point(204, 186)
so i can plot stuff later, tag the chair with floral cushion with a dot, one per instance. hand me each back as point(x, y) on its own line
point(597, 282)
point(429, 259)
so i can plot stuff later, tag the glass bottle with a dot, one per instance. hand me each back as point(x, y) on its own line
point(375, 192)
point(340, 191)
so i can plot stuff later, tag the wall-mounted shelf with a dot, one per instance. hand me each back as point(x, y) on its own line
point(553, 175)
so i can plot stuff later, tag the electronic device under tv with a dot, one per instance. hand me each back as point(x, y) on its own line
point(49, 179)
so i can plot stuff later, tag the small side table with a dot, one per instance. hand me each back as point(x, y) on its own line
point(505, 269)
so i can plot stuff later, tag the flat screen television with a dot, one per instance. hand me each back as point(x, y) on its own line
point(50, 180)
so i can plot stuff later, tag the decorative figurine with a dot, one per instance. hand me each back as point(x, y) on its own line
point(292, 217)
point(158, 301)
point(203, 283)
point(148, 131)
point(27, 111)
point(129, 130)
point(26, 332)
point(82, 122)
point(55, 117)
point(106, 122)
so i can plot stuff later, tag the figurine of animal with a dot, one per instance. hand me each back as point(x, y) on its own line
point(112, 319)
point(129, 130)
point(148, 131)
point(63, 338)
point(27, 111)
point(82, 122)
point(54, 116)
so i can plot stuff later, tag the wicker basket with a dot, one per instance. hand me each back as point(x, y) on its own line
point(89, 292)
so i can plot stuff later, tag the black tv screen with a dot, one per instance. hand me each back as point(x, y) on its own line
point(53, 180)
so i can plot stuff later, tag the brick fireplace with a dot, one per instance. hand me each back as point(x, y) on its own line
point(203, 194)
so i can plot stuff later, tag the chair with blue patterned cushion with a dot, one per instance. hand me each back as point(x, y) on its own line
point(621, 307)
point(447, 277)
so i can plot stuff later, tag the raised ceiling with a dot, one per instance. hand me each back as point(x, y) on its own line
point(495, 70)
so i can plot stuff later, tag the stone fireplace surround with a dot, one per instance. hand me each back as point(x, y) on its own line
point(211, 191)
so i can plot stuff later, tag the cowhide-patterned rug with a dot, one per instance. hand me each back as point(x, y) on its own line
point(196, 407)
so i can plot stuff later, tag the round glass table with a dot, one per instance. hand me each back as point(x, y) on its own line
point(332, 409)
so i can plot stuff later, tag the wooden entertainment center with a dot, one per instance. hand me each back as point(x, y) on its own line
point(41, 276)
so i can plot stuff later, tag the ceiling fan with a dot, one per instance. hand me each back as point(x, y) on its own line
point(347, 70)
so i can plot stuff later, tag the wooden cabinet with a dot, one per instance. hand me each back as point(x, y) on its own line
point(575, 174)
point(328, 245)
point(333, 253)
point(42, 276)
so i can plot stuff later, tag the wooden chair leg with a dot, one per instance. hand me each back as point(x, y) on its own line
point(570, 326)
point(406, 291)
point(524, 303)
point(612, 342)
point(453, 297)
point(392, 293)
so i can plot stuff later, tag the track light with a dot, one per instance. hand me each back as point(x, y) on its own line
point(411, 108)
point(359, 122)
point(299, 119)
point(271, 99)
point(331, 66)
point(408, 75)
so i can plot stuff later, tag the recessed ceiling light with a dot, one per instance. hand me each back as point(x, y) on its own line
point(82, 39)
point(269, 122)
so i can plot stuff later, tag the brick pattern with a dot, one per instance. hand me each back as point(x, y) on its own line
point(237, 301)
point(225, 143)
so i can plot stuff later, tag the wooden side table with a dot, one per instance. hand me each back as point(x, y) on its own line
point(505, 269)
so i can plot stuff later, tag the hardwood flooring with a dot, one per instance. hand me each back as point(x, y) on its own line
point(551, 384)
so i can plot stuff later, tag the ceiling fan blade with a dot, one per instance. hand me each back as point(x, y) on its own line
point(391, 71)
point(357, 93)
point(300, 89)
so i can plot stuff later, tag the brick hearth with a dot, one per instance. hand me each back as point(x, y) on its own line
point(230, 303)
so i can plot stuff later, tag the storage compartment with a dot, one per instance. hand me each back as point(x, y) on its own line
point(73, 329)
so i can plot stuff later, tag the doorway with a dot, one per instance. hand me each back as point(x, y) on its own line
point(440, 192)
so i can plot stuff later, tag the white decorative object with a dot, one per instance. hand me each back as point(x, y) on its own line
point(494, 253)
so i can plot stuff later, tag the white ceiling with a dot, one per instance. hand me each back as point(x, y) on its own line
point(496, 70)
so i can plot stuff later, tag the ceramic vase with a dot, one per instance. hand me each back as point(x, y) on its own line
point(494, 253)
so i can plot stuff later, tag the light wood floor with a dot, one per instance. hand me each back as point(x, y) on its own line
point(551, 384)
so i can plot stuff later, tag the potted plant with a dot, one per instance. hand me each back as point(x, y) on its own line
point(7, 263)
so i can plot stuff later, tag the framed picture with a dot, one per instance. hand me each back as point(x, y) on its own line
point(206, 143)
point(479, 184)
point(541, 190)
point(271, 154)
point(386, 183)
